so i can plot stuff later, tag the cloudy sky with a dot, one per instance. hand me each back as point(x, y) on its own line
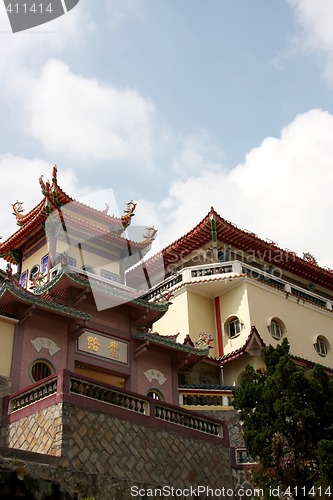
point(180, 106)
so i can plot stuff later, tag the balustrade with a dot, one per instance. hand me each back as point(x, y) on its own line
point(64, 385)
point(186, 420)
point(209, 400)
point(37, 393)
point(111, 396)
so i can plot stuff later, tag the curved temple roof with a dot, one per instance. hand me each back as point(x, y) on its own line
point(245, 241)
point(53, 199)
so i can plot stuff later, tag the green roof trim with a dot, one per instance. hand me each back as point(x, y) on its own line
point(160, 339)
point(100, 286)
point(20, 293)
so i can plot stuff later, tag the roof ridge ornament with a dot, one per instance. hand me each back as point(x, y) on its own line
point(308, 257)
point(128, 213)
point(18, 210)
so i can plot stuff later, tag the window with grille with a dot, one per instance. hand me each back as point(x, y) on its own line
point(155, 394)
point(41, 369)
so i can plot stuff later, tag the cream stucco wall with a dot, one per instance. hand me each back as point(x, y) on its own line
point(93, 260)
point(234, 370)
point(202, 318)
point(7, 330)
point(235, 303)
point(303, 322)
point(176, 319)
point(34, 259)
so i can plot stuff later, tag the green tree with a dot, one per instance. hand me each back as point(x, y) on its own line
point(287, 417)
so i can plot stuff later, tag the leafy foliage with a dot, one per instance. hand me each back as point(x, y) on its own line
point(287, 417)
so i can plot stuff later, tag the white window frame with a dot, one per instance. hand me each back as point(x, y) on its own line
point(235, 324)
point(276, 330)
point(321, 346)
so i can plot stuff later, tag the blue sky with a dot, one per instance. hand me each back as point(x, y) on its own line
point(179, 105)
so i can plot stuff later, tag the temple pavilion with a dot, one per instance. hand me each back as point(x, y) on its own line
point(236, 292)
point(69, 306)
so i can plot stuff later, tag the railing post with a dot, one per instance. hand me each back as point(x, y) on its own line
point(237, 267)
point(63, 382)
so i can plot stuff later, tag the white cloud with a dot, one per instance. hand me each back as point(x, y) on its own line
point(20, 183)
point(29, 48)
point(282, 191)
point(194, 151)
point(121, 11)
point(85, 119)
point(316, 20)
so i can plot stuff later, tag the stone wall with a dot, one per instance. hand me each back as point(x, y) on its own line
point(96, 442)
point(103, 456)
point(240, 475)
point(41, 432)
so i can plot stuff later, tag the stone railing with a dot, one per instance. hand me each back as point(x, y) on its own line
point(170, 283)
point(205, 399)
point(108, 395)
point(192, 421)
point(66, 387)
point(37, 392)
point(233, 268)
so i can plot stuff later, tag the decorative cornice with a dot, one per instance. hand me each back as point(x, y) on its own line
point(165, 341)
point(16, 291)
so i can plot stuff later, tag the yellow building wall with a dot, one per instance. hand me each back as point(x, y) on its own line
point(7, 330)
point(95, 261)
point(176, 319)
point(303, 323)
point(234, 370)
point(90, 259)
point(235, 303)
point(202, 319)
point(34, 259)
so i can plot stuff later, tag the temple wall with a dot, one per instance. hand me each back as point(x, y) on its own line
point(176, 319)
point(303, 321)
point(202, 319)
point(41, 326)
point(158, 362)
point(7, 330)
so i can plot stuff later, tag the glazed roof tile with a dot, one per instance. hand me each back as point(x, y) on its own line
point(228, 233)
point(54, 198)
point(166, 341)
point(11, 290)
point(254, 336)
point(146, 314)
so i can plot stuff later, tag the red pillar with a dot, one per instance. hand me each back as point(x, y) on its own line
point(218, 326)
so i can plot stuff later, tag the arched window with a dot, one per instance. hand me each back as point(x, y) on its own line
point(233, 326)
point(276, 328)
point(321, 345)
point(155, 394)
point(41, 368)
